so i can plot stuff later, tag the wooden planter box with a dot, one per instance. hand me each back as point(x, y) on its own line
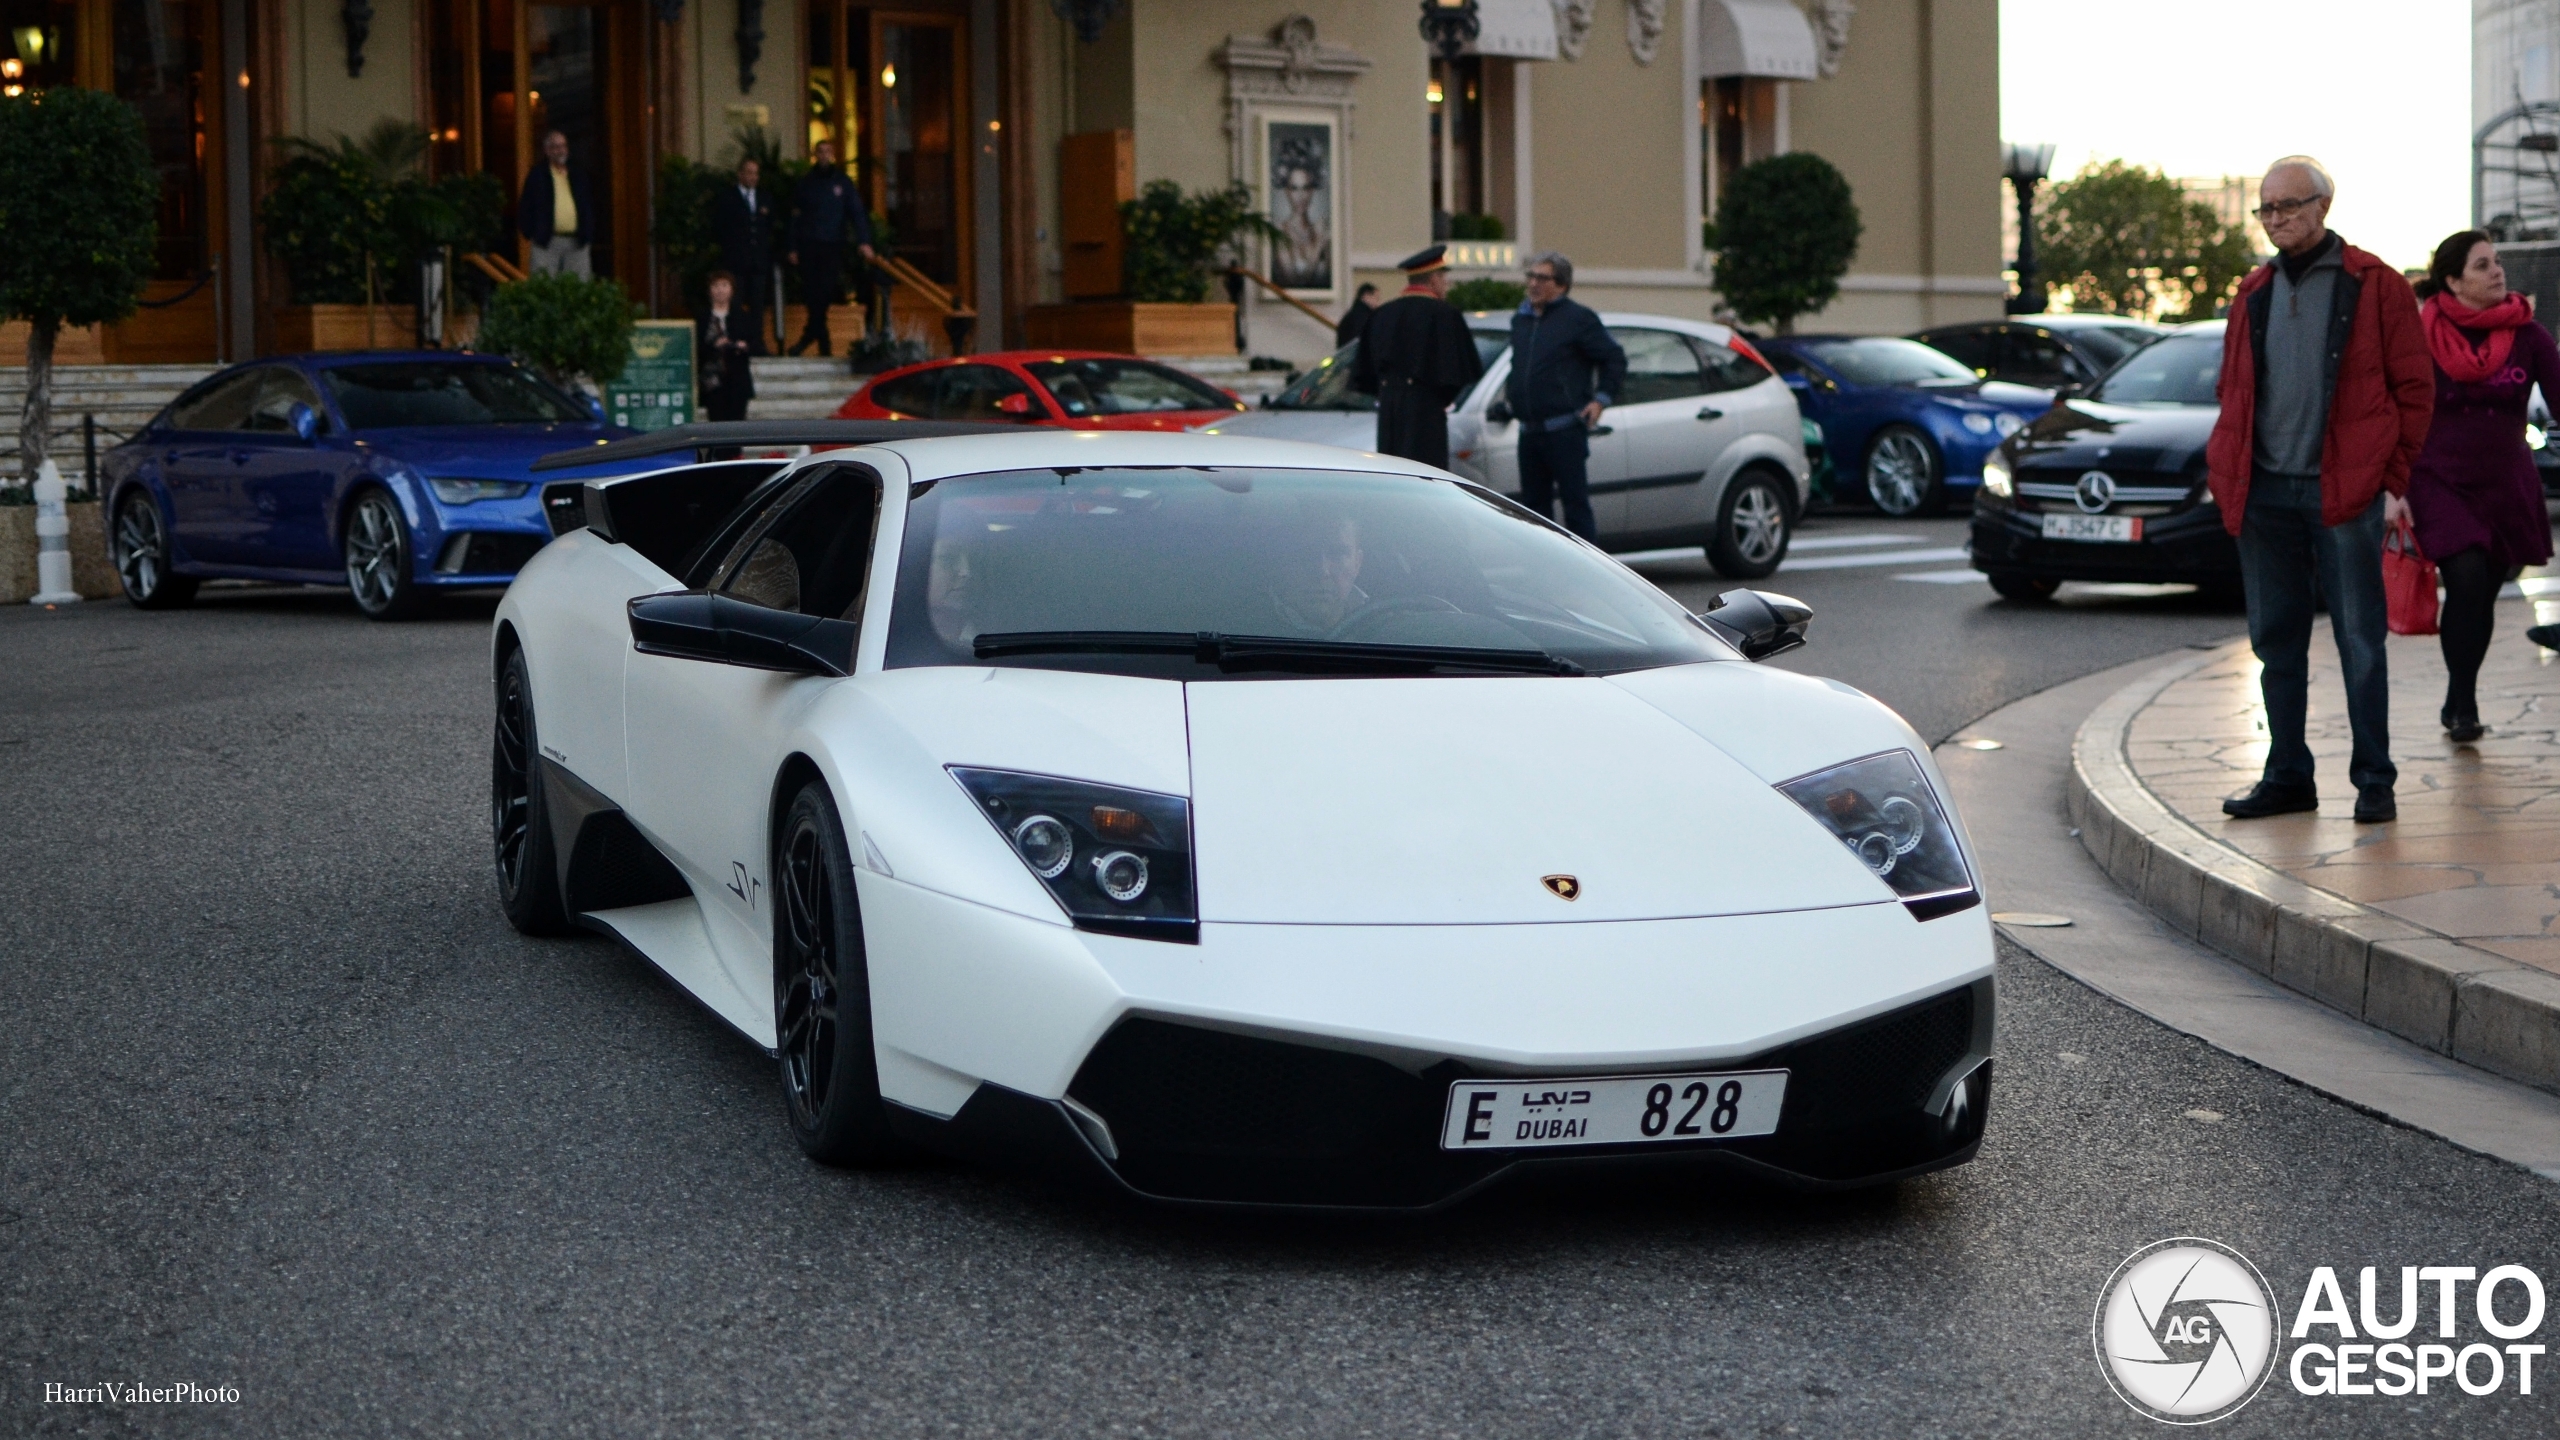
point(342, 327)
point(90, 573)
point(1133, 327)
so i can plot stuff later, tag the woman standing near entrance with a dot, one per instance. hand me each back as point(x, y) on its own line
point(724, 339)
point(2474, 492)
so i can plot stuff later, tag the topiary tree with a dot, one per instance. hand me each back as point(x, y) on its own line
point(1174, 239)
point(1787, 228)
point(567, 327)
point(79, 228)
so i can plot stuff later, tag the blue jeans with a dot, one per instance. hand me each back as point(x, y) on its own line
point(2288, 561)
point(1556, 463)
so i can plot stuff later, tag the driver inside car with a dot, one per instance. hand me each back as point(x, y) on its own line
point(1321, 588)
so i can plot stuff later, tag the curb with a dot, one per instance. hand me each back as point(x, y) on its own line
point(2480, 1008)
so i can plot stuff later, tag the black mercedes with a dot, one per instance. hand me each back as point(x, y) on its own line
point(2110, 485)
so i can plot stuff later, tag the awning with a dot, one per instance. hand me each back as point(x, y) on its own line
point(1755, 37)
point(1515, 29)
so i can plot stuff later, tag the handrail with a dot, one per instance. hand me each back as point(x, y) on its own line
point(914, 279)
point(495, 267)
point(1303, 307)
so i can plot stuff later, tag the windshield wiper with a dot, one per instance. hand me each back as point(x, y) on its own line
point(1234, 653)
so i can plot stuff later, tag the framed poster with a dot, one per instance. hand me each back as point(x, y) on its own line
point(655, 389)
point(1301, 185)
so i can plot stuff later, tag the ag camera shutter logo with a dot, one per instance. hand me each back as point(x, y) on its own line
point(2186, 1330)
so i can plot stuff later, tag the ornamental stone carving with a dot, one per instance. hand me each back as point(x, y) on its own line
point(1288, 64)
point(1573, 26)
point(1644, 28)
point(1831, 34)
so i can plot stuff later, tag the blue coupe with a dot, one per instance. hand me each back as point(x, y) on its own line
point(1902, 422)
point(392, 473)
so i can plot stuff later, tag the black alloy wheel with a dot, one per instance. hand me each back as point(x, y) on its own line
point(1755, 522)
point(139, 546)
point(528, 864)
point(822, 993)
point(2010, 586)
point(1905, 474)
point(380, 568)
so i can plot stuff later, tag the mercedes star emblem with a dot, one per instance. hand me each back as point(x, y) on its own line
point(2096, 491)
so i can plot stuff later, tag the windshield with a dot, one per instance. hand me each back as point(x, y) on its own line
point(1124, 387)
point(2181, 370)
point(2111, 343)
point(1888, 362)
point(1327, 386)
point(1314, 556)
point(428, 392)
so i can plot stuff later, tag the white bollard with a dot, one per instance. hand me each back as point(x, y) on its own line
point(53, 539)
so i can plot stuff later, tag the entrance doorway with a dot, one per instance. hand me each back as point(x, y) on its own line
point(891, 88)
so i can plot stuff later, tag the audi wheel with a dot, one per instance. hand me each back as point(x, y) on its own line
point(380, 566)
point(1904, 473)
point(139, 546)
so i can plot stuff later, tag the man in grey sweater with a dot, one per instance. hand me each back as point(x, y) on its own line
point(2326, 392)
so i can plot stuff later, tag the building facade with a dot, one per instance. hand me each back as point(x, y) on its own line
point(989, 131)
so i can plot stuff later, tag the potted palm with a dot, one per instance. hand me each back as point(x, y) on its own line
point(349, 223)
point(1173, 245)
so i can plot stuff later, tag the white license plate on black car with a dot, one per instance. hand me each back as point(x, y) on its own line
point(2118, 528)
point(1612, 1110)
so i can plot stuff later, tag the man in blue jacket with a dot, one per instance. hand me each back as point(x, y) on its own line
point(832, 212)
point(1565, 366)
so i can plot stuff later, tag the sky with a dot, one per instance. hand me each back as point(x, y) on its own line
point(2378, 90)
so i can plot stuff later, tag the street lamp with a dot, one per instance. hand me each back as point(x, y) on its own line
point(1449, 25)
point(2024, 167)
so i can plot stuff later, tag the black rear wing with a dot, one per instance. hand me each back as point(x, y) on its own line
point(732, 435)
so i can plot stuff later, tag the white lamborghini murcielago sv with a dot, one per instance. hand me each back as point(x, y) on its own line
point(1229, 821)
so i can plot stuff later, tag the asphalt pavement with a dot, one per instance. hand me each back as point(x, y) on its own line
point(285, 1106)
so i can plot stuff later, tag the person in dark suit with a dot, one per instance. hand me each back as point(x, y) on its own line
point(724, 339)
point(1565, 367)
point(556, 213)
point(742, 224)
point(1416, 357)
point(832, 213)
point(1355, 321)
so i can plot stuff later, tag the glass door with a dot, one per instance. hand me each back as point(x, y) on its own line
point(919, 172)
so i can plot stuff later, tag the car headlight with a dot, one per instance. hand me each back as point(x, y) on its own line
point(2535, 437)
point(1978, 423)
point(1882, 808)
point(463, 492)
point(1995, 475)
point(2009, 425)
point(1117, 861)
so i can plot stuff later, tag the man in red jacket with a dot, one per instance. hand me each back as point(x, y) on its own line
point(2326, 391)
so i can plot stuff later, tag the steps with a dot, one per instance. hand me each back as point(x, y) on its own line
point(122, 397)
point(807, 388)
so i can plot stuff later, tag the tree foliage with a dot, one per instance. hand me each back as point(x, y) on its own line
point(565, 326)
point(79, 207)
point(1787, 229)
point(333, 205)
point(2127, 240)
point(1175, 240)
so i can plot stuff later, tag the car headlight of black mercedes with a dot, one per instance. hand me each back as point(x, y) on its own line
point(1118, 861)
point(1882, 808)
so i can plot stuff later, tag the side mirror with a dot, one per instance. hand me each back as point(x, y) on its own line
point(1017, 405)
point(1499, 412)
point(2069, 390)
point(1758, 623)
point(700, 625)
point(595, 407)
point(305, 423)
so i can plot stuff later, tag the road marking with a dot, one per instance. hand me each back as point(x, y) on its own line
point(1848, 542)
point(1890, 557)
point(1946, 577)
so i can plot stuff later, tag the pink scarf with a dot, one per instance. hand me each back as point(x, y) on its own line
point(2446, 318)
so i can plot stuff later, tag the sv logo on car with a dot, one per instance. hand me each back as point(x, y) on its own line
point(742, 884)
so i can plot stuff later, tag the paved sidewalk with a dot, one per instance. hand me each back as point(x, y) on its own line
point(2475, 854)
point(2442, 927)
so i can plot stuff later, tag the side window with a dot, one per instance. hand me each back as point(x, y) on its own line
point(1725, 367)
point(1977, 350)
point(909, 394)
point(2031, 357)
point(815, 556)
point(1660, 366)
point(222, 404)
point(973, 392)
point(279, 390)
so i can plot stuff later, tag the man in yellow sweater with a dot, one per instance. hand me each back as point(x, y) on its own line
point(555, 213)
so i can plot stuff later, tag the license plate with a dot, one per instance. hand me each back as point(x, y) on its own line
point(1612, 1110)
point(2117, 528)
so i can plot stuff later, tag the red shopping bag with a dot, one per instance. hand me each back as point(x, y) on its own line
point(2408, 582)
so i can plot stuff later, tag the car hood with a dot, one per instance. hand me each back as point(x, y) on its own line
point(1350, 429)
point(1993, 396)
point(2079, 433)
point(489, 452)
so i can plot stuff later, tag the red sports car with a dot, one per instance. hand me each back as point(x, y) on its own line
point(1070, 389)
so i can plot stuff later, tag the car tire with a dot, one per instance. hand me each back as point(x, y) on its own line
point(822, 993)
point(381, 561)
point(1754, 525)
point(1905, 475)
point(2024, 587)
point(138, 545)
point(528, 864)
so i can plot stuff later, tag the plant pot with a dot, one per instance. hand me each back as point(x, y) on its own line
point(1133, 327)
point(91, 575)
point(343, 327)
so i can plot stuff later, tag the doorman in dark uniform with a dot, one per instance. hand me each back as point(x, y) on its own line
point(1417, 357)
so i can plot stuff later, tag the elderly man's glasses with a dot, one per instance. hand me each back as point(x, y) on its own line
point(2286, 208)
point(1547, 277)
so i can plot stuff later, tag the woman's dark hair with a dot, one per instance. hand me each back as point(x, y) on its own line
point(1364, 291)
point(718, 275)
point(2450, 258)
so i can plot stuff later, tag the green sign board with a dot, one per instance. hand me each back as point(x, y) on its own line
point(656, 388)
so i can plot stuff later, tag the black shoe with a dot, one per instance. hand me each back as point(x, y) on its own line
point(2375, 805)
point(798, 345)
point(2459, 727)
point(2546, 636)
point(2268, 797)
